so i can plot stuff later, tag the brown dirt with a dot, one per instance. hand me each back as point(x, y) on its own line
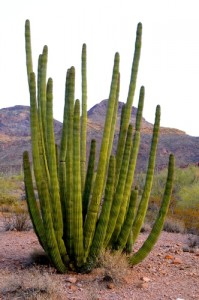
point(167, 273)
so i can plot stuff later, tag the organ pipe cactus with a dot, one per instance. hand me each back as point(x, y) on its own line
point(82, 212)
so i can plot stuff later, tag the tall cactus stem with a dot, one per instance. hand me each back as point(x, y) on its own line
point(132, 162)
point(54, 184)
point(68, 235)
point(83, 118)
point(32, 204)
point(89, 178)
point(102, 224)
point(114, 227)
point(91, 219)
point(158, 225)
point(149, 179)
point(29, 64)
point(77, 199)
point(128, 222)
point(129, 103)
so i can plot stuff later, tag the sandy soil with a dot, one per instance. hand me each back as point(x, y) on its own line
point(169, 272)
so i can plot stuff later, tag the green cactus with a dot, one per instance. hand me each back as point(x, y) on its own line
point(79, 212)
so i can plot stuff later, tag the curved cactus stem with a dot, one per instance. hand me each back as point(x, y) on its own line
point(102, 224)
point(91, 219)
point(32, 204)
point(53, 250)
point(139, 219)
point(129, 243)
point(77, 199)
point(132, 162)
point(114, 227)
point(83, 118)
point(89, 178)
point(158, 225)
point(128, 222)
point(129, 103)
point(54, 184)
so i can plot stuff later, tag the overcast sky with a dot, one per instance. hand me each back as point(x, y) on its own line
point(169, 65)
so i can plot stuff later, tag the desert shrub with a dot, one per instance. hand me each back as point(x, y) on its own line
point(184, 204)
point(115, 266)
point(39, 257)
point(18, 219)
point(174, 225)
point(193, 241)
point(190, 217)
point(7, 200)
point(146, 227)
point(30, 284)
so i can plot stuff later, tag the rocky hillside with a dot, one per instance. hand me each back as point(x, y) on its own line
point(15, 138)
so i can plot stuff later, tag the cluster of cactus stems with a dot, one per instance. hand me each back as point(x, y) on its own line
point(85, 207)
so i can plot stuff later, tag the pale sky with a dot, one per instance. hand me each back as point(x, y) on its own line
point(169, 64)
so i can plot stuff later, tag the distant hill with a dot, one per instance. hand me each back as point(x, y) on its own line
point(15, 138)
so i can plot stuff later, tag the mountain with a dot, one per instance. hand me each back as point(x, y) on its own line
point(15, 138)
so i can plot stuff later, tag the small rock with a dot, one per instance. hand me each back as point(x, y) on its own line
point(192, 250)
point(177, 261)
point(143, 285)
point(145, 279)
point(71, 279)
point(73, 288)
point(110, 285)
point(79, 284)
point(185, 249)
point(168, 256)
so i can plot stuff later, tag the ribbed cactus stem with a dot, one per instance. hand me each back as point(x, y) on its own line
point(114, 227)
point(63, 144)
point(132, 162)
point(83, 118)
point(68, 235)
point(149, 179)
point(128, 222)
point(114, 119)
point(54, 184)
point(77, 199)
point(158, 225)
point(102, 224)
point(32, 203)
point(129, 103)
point(28, 49)
point(53, 250)
point(91, 219)
point(34, 132)
point(89, 178)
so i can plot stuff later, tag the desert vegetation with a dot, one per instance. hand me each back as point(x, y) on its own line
point(89, 214)
point(183, 213)
point(81, 213)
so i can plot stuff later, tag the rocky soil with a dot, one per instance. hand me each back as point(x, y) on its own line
point(170, 272)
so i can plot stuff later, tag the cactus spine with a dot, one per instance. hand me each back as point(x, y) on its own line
point(70, 222)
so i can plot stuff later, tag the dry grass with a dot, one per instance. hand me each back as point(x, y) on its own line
point(174, 225)
point(193, 241)
point(31, 284)
point(115, 266)
point(17, 219)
